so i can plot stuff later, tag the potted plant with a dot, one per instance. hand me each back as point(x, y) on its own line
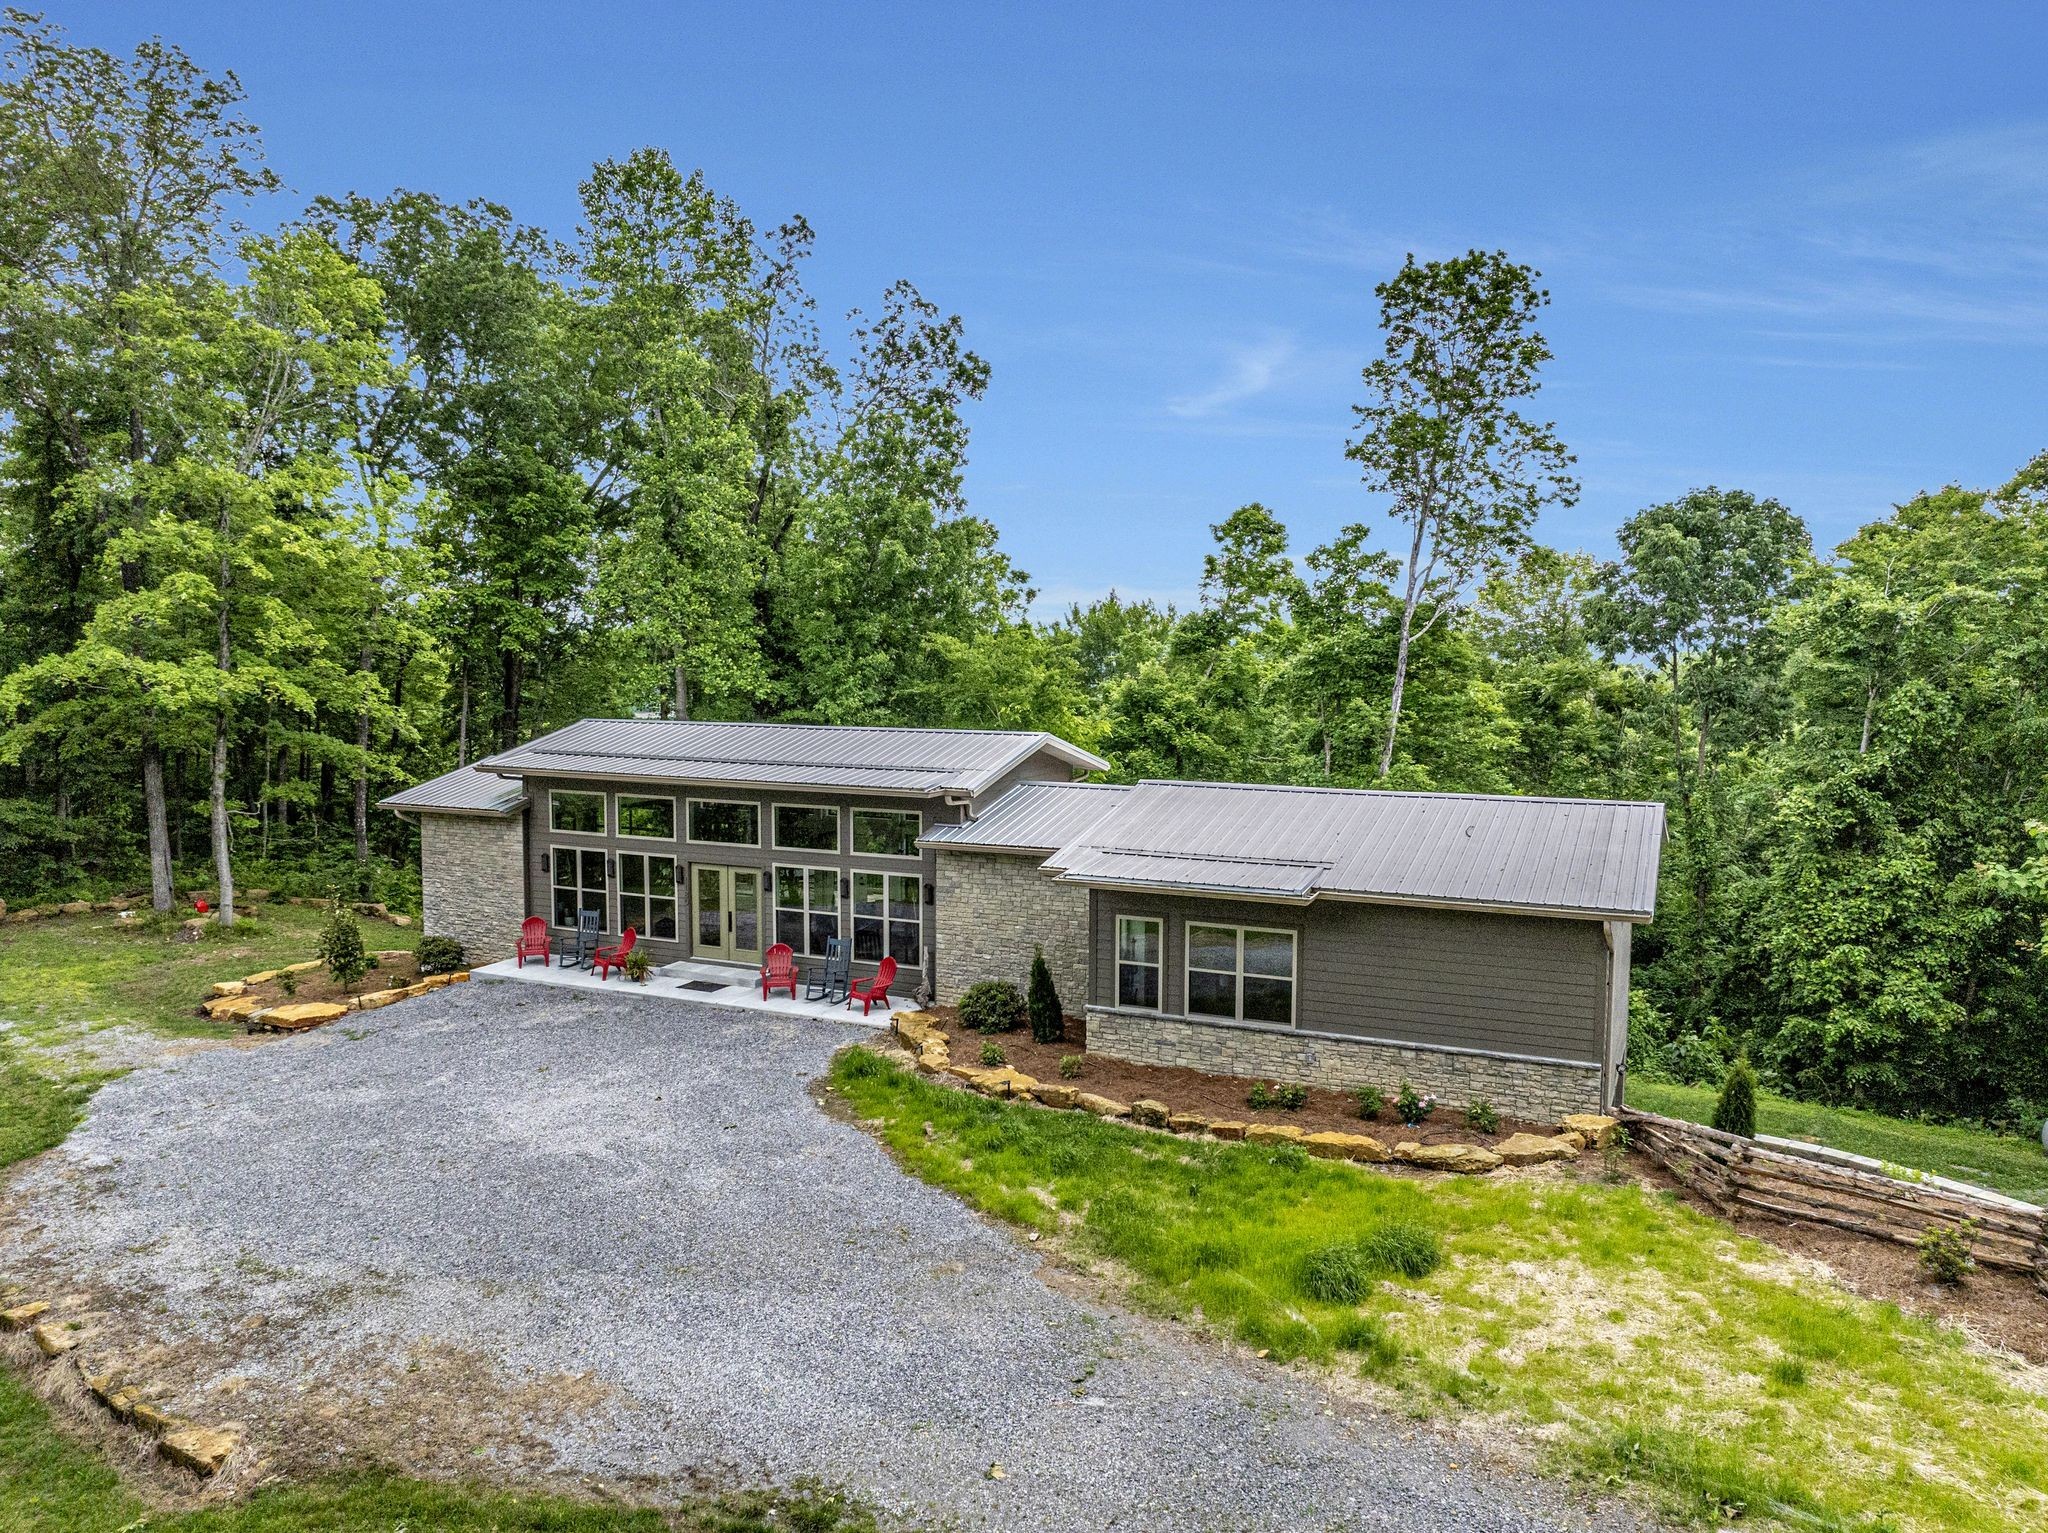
point(638, 966)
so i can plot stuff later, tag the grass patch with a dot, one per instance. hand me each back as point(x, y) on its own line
point(36, 1112)
point(1641, 1338)
point(2013, 1165)
point(74, 972)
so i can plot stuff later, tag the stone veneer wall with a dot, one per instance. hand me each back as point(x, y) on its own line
point(991, 908)
point(1539, 1090)
point(472, 881)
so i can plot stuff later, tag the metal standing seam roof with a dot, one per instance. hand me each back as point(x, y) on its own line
point(1580, 857)
point(874, 758)
point(462, 791)
point(1039, 817)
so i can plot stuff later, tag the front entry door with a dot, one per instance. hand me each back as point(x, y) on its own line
point(727, 919)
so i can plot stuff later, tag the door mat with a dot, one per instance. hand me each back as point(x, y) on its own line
point(705, 984)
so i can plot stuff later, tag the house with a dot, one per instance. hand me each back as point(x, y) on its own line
point(1473, 946)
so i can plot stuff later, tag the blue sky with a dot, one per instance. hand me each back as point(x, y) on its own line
point(1800, 249)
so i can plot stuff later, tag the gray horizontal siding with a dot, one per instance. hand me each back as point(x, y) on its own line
point(1527, 985)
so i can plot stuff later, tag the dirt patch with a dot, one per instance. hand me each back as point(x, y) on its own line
point(2001, 1309)
point(1217, 1097)
point(391, 973)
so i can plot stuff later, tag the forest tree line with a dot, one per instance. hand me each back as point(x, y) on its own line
point(294, 518)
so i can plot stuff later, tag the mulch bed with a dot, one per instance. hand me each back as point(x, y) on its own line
point(1216, 1097)
point(319, 985)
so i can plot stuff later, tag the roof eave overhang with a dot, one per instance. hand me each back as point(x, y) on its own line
point(756, 784)
point(947, 844)
point(1470, 907)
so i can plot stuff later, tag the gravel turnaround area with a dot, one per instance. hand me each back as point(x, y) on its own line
point(506, 1228)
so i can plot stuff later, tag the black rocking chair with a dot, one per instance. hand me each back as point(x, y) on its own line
point(584, 954)
point(830, 982)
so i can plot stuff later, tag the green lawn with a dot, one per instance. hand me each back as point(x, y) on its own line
point(2015, 1166)
point(1639, 1342)
point(101, 971)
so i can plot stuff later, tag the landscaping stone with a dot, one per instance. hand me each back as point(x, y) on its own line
point(1335, 1146)
point(122, 1401)
point(375, 1000)
point(234, 1008)
point(76, 907)
point(263, 977)
point(1102, 1107)
point(226, 987)
point(1273, 1133)
point(148, 1418)
point(302, 1014)
point(54, 1340)
point(301, 968)
point(399, 920)
point(1466, 1159)
point(200, 1449)
point(1596, 1128)
point(1188, 1123)
point(1227, 1128)
point(22, 1316)
point(934, 1057)
point(1535, 1149)
point(1150, 1113)
point(1055, 1096)
point(391, 954)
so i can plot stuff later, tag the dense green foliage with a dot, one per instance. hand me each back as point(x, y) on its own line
point(341, 945)
point(1048, 1017)
point(992, 1006)
point(287, 522)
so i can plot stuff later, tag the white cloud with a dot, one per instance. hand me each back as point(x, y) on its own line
point(1253, 370)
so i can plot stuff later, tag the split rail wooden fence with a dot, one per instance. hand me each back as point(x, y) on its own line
point(1735, 1174)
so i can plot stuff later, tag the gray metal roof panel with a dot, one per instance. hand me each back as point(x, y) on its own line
point(1031, 817)
point(462, 791)
point(1569, 856)
point(1247, 877)
point(884, 758)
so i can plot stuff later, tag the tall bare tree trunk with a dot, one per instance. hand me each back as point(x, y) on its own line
point(682, 693)
point(462, 722)
point(157, 816)
point(1408, 605)
point(360, 809)
point(217, 791)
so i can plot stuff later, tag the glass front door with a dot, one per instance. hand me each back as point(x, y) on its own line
point(726, 919)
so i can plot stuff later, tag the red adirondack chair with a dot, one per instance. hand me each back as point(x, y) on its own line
point(533, 941)
point(870, 992)
point(778, 971)
point(609, 958)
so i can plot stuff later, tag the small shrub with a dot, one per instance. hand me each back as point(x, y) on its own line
point(1048, 1018)
point(992, 1055)
point(1336, 1274)
point(1371, 1102)
point(1070, 1067)
point(992, 1006)
point(1413, 1106)
point(1290, 1097)
point(375, 962)
point(1735, 1110)
point(1614, 1154)
point(288, 983)
point(1480, 1115)
point(443, 955)
point(1945, 1251)
point(1404, 1247)
point(341, 944)
point(1260, 1096)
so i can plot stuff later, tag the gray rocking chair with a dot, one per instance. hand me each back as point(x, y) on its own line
point(830, 982)
point(585, 952)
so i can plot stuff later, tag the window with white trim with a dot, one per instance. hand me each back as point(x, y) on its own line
point(647, 819)
point(806, 828)
point(806, 908)
point(579, 884)
point(647, 893)
point(1140, 961)
point(888, 917)
point(724, 822)
point(580, 814)
point(886, 833)
point(1240, 973)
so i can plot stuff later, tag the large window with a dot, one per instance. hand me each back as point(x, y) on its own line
point(647, 892)
point(886, 832)
point(806, 908)
point(888, 918)
point(723, 823)
point(581, 814)
point(651, 819)
point(806, 828)
point(1138, 961)
point(579, 883)
point(1244, 973)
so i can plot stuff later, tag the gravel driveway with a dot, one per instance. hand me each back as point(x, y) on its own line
point(616, 1239)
